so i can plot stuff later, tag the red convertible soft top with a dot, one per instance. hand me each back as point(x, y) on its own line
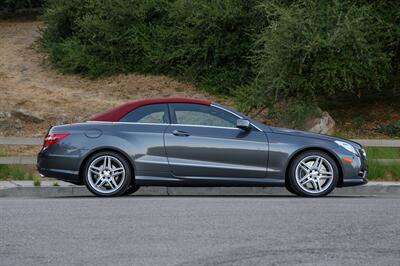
point(116, 113)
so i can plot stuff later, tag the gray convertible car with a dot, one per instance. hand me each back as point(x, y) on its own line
point(185, 142)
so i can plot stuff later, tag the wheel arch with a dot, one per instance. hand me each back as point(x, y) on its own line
point(102, 149)
point(327, 151)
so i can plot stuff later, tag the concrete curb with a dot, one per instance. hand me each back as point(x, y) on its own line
point(392, 189)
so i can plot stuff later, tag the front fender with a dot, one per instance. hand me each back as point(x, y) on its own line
point(283, 149)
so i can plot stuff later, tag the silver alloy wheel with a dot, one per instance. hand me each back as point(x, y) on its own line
point(106, 174)
point(314, 174)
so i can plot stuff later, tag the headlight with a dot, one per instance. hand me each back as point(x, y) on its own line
point(364, 153)
point(346, 145)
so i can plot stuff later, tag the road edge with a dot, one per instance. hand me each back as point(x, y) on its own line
point(81, 191)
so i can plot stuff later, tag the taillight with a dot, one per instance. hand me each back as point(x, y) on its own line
point(53, 138)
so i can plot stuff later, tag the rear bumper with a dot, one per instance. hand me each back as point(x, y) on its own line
point(64, 168)
point(63, 175)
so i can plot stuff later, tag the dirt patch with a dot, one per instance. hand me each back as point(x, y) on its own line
point(19, 150)
point(363, 119)
point(26, 82)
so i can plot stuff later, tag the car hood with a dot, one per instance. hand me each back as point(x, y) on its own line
point(306, 134)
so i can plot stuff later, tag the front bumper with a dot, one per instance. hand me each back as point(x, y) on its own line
point(356, 181)
point(356, 173)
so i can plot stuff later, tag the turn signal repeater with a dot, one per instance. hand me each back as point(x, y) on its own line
point(53, 138)
point(347, 159)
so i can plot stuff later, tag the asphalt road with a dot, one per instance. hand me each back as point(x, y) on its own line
point(200, 231)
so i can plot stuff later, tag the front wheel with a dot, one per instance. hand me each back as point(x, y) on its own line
point(107, 174)
point(313, 174)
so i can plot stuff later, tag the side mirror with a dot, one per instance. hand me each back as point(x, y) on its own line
point(243, 124)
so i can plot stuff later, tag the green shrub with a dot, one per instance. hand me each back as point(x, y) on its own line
point(381, 171)
point(299, 112)
point(37, 182)
point(15, 172)
point(391, 129)
point(378, 171)
point(262, 50)
point(313, 49)
point(293, 114)
point(382, 153)
point(204, 41)
point(11, 6)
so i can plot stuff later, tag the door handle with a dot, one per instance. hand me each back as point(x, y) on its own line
point(180, 133)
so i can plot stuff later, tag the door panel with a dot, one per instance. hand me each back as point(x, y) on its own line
point(197, 151)
point(146, 146)
point(144, 128)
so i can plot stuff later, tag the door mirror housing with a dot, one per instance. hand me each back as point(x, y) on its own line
point(243, 124)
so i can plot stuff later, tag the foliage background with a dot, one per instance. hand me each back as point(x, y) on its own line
point(204, 41)
point(313, 49)
point(302, 52)
point(12, 6)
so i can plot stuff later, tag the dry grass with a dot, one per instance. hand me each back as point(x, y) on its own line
point(26, 82)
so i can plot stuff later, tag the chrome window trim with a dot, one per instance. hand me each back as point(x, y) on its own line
point(226, 110)
point(229, 111)
point(191, 125)
point(185, 125)
point(159, 124)
point(130, 123)
point(195, 125)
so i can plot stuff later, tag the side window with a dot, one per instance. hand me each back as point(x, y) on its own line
point(153, 113)
point(197, 114)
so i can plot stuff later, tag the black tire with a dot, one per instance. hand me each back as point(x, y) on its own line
point(289, 187)
point(126, 182)
point(132, 189)
point(298, 189)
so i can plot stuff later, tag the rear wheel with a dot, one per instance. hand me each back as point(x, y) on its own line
point(107, 174)
point(313, 174)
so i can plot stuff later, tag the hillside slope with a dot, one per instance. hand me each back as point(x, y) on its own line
point(27, 83)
